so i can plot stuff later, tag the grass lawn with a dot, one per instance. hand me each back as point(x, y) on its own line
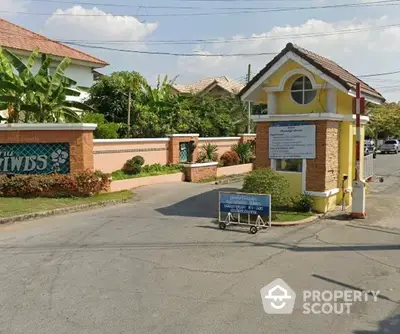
point(120, 175)
point(289, 216)
point(13, 206)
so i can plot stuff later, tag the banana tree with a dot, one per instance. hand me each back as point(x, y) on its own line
point(39, 97)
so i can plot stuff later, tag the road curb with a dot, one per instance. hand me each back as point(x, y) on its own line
point(299, 222)
point(71, 209)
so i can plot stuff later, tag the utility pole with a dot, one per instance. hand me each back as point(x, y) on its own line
point(129, 114)
point(248, 103)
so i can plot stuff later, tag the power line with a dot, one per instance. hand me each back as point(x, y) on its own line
point(378, 74)
point(267, 10)
point(178, 54)
point(225, 41)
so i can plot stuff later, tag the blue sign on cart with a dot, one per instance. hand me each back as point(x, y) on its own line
point(253, 204)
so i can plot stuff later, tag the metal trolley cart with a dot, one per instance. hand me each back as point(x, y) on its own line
point(237, 208)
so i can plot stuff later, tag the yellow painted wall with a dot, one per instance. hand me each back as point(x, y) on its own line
point(294, 180)
point(344, 103)
point(325, 204)
point(286, 105)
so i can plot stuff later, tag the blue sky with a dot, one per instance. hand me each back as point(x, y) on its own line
point(372, 50)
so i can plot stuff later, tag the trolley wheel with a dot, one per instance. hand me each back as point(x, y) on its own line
point(253, 230)
point(222, 225)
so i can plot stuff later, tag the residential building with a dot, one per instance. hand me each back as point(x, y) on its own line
point(22, 42)
point(219, 86)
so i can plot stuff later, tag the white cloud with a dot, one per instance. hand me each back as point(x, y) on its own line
point(99, 26)
point(13, 5)
point(370, 50)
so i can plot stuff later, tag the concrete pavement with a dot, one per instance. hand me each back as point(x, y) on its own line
point(158, 265)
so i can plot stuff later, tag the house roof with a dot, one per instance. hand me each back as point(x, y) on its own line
point(16, 37)
point(328, 67)
point(224, 82)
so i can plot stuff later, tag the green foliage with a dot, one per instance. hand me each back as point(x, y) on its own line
point(39, 97)
point(131, 167)
point(85, 183)
point(230, 158)
point(158, 111)
point(244, 151)
point(148, 170)
point(103, 130)
point(267, 181)
point(384, 121)
point(138, 159)
point(208, 153)
point(305, 202)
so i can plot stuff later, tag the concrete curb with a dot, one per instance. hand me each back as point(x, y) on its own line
point(298, 222)
point(71, 209)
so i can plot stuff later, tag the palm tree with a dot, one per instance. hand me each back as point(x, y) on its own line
point(40, 97)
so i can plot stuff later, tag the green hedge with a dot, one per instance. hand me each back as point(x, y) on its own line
point(55, 185)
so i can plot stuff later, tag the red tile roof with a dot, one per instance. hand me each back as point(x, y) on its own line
point(328, 67)
point(15, 37)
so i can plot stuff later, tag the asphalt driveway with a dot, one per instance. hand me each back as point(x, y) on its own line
point(159, 265)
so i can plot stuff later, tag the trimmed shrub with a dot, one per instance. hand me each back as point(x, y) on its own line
point(55, 185)
point(230, 158)
point(138, 160)
point(267, 181)
point(305, 202)
point(133, 166)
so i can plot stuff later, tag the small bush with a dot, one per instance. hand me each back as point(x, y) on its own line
point(305, 203)
point(133, 166)
point(208, 153)
point(230, 158)
point(244, 151)
point(138, 160)
point(267, 181)
point(55, 185)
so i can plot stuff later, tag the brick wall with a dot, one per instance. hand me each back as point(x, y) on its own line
point(322, 172)
point(196, 174)
point(262, 148)
point(174, 152)
point(80, 143)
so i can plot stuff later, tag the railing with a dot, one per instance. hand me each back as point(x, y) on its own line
point(368, 166)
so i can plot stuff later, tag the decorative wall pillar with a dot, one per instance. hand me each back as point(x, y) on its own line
point(175, 140)
point(331, 99)
point(272, 103)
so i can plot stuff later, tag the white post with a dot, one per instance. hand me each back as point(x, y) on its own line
point(331, 100)
point(272, 103)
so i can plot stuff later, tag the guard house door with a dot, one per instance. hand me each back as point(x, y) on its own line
point(184, 152)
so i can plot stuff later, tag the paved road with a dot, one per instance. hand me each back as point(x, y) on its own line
point(158, 265)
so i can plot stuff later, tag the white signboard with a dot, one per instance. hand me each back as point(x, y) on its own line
point(292, 142)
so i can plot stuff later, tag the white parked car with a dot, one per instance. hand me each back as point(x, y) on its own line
point(390, 146)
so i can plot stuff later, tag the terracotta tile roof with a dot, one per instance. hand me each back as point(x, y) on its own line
point(15, 37)
point(328, 67)
point(226, 83)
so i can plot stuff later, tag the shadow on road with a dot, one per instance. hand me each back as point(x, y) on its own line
point(204, 205)
point(387, 326)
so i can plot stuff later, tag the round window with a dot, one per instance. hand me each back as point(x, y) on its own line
point(302, 91)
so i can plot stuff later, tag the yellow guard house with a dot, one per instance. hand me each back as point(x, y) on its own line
point(308, 131)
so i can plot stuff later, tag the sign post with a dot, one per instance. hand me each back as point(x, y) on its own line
point(242, 203)
point(358, 206)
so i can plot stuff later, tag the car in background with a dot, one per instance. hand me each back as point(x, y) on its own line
point(390, 146)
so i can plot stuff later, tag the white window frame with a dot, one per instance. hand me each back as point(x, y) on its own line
point(303, 90)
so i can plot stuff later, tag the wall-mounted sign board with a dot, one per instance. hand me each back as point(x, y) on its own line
point(35, 158)
point(292, 140)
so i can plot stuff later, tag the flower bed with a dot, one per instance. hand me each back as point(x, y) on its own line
point(54, 185)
